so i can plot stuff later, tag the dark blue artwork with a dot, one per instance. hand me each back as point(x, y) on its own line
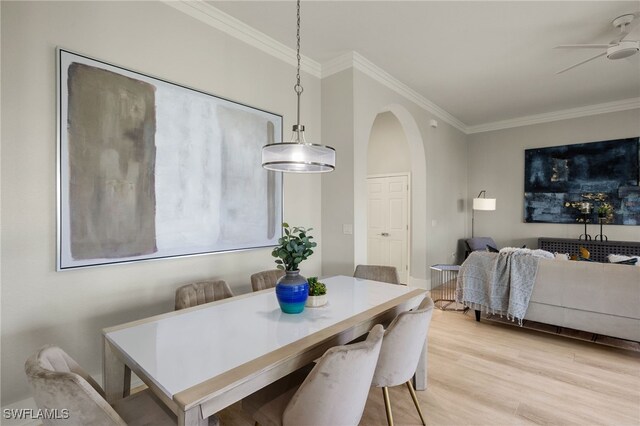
point(558, 178)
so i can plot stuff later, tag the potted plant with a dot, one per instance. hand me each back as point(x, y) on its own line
point(293, 247)
point(317, 293)
point(605, 210)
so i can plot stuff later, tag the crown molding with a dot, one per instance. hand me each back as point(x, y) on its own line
point(362, 64)
point(337, 64)
point(566, 114)
point(372, 70)
point(226, 23)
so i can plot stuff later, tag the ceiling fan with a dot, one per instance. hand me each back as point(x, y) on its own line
point(618, 48)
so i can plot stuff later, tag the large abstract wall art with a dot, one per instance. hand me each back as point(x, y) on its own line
point(149, 169)
point(559, 178)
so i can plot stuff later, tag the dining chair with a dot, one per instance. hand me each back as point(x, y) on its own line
point(333, 393)
point(401, 348)
point(386, 274)
point(58, 382)
point(265, 279)
point(201, 292)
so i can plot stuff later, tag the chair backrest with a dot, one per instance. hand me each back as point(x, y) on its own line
point(336, 390)
point(265, 279)
point(480, 243)
point(195, 294)
point(386, 274)
point(59, 383)
point(402, 346)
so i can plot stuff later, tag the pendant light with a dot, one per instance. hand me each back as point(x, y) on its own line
point(298, 156)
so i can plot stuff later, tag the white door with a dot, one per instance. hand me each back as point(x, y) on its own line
point(388, 223)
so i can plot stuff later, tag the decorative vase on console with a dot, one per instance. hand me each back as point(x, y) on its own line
point(292, 289)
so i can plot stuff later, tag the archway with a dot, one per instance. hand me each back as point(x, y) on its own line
point(418, 237)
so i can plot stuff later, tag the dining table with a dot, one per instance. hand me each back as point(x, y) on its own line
point(200, 360)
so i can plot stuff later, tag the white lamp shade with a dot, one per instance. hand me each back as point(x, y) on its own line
point(294, 157)
point(484, 203)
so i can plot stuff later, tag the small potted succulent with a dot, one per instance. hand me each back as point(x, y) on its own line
point(317, 293)
point(293, 247)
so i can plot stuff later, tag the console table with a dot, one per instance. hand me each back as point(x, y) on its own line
point(599, 249)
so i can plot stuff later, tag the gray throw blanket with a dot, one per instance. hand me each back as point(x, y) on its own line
point(501, 282)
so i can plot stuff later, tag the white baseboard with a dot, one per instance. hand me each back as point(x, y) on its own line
point(30, 404)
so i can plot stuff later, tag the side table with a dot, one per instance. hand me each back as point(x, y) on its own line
point(443, 287)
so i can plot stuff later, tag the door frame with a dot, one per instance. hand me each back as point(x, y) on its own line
point(408, 176)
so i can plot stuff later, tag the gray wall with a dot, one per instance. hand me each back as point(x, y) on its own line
point(388, 150)
point(40, 305)
point(438, 180)
point(496, 163)
point(337, 186)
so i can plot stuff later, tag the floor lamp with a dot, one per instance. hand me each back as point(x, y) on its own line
point(481, 203)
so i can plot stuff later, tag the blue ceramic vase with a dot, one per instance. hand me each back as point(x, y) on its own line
point(292, 290)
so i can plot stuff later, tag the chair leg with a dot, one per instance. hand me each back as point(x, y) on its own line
point(387, 405)
point(415, 401)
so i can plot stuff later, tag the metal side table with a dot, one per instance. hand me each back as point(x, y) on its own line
point(443, 287)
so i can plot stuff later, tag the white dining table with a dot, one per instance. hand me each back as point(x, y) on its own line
point(200, 360)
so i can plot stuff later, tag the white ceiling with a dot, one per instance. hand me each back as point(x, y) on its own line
point(480, 61)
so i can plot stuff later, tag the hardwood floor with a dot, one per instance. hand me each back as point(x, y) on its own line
point(494, 374)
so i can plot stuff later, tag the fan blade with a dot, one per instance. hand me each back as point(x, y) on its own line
point(582, 46)
point(583, 62)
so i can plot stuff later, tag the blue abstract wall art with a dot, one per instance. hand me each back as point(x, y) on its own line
point(558, 177)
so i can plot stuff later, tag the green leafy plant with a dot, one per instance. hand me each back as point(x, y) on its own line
point(316, 288)
point(605, 209)
point(293, 247)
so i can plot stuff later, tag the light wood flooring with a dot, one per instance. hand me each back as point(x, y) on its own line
point(494, 374)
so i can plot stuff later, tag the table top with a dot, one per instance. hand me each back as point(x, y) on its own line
point(182, 349)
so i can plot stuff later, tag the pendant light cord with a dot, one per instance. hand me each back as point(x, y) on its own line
point(298, 87)
point(298, 155)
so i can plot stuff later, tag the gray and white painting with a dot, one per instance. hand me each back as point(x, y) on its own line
point(149, 169)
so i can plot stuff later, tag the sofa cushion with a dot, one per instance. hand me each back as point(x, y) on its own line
point(589, 286)
point(480, 243)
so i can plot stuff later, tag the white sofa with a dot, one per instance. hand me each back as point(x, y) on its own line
point(601, 298)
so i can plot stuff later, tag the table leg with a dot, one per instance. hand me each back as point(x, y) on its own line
point(191, 417)
point(420, 377)
point(115, 374)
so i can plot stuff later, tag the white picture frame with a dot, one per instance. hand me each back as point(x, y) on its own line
point(149, 169)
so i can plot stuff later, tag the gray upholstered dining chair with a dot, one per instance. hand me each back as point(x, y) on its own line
point(265, 279)
point(58, 382)
point(400, 353)
point(386, 274)
point(333, 393)
point(201, 292)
